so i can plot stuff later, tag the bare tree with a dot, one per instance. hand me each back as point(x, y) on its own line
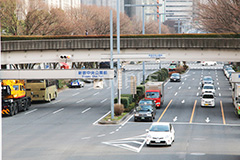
point(219, 16)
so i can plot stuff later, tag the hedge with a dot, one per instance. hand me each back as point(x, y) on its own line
point(124, 101)
point(130, 96)
point(39, 37)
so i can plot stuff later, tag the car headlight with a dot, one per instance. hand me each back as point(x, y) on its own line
point(149, 114)
point(149, 136)
point(137, 114)
point(167, 136)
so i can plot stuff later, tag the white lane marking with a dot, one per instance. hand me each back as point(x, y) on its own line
point(201, 75)
point(185, 79)
point(30, 111)
point(127, 120)
point(80, 101)
point(207, 120)
point(169, 87)
point(58, 110)
point(183, 101)
point(166, 83)
point(193, 79)
point(117, 130)
point(230, 89)
point(175, 119)
point(193, 72)
point(220, 95)
point(216, 75)
point(197, 94)
point(217, 79)
point(89, 88)
point(200, 83)
point(103, 100)
point(108, 87)
point(75, 94)
point(199, 88)
point(96, 93)
point(198, 154)
point(101, 118)
point(56, 101)
point(115, 93)
point(86, 110)
point(86, 137)
point(182, 82)
point(180, 87)
point(175, 94)
point(218, 88)
point(189, 87)
point(217, 83)
point(112, 132)
point(102, 135)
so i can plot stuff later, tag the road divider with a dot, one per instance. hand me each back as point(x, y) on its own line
point(164, 111)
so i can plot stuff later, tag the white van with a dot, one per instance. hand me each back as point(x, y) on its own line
point(208, 100)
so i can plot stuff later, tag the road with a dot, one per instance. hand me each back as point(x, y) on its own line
point(67, 128)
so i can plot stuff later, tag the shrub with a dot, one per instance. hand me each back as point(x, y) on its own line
point(118, 109)
point(142, 88)
point(130, 96)
point(164, 71)
point(130, 107)
point(124, 101)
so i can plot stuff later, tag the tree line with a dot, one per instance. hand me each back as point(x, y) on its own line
point(36, 18)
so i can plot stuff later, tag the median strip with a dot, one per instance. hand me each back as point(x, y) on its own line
point(164, 111)
point(194, 107)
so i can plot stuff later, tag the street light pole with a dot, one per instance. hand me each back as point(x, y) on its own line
point(111, 64)
point(118, 49)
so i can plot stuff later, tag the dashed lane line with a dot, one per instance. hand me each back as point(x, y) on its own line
point(86, 110)
point(30, 111)
point(103, 100)
point(58, 110)
point(96, 93)
point(75, 94)
point(80, 101)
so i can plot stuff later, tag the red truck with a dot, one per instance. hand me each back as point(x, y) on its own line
point(155, 91)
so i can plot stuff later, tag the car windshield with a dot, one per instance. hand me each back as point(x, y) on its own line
point(144, 108)
point(152, 95)
point(207, 79)
point(159, 128)
point(75, 80)
point(145, 102)
point(208, 96)
point(208, 87)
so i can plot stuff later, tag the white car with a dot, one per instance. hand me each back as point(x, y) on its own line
point(77, 83)
point(208, 100)
point(208, 88)
point(160, 134)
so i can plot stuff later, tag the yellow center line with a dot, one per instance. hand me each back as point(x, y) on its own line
point(194, 107)
point(223, 117)
point(164, 111)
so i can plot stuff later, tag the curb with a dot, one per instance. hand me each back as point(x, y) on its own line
point(115, 122)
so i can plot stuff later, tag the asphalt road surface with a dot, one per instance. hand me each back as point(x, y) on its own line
point(67, 128)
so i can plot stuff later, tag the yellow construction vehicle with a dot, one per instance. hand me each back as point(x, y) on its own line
point(14, 97)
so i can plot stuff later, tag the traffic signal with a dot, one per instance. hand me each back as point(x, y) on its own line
point(65, 56)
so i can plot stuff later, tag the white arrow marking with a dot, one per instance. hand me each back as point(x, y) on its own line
point(183, 101)
point(175, 119)
point(207, 120)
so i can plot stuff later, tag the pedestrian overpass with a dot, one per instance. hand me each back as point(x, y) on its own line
point(132, 49)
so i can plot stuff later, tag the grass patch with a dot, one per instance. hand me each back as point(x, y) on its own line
point(116, 118)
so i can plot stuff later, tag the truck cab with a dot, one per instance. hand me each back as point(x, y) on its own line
point(155, 91)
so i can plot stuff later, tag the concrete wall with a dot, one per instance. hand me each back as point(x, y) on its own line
point(126, 43)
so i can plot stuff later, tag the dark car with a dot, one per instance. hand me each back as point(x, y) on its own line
point(147, 102)
point(207, 80)
point(175, 77)
point(145, 112)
